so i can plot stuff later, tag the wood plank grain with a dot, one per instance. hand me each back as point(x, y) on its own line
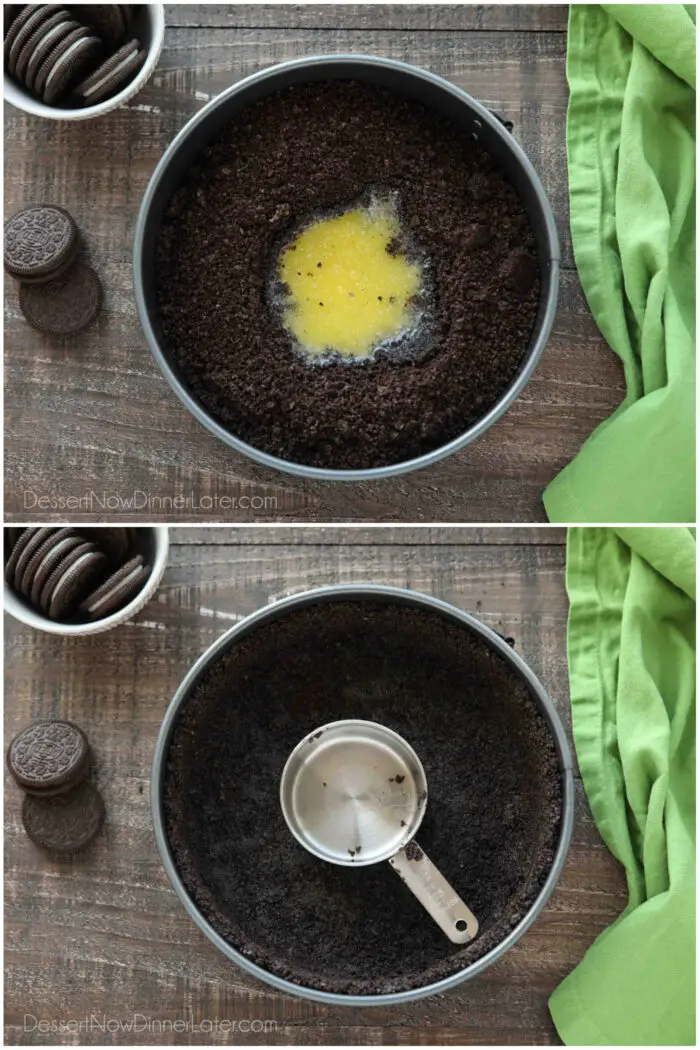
point(95, 425)
point(369, 535)
point(104, 935)
point(407, 17)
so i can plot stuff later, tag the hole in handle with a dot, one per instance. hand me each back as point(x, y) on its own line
point(461, 925)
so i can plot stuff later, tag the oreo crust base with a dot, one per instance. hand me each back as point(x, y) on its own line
point(494, 806)
point(307, 150)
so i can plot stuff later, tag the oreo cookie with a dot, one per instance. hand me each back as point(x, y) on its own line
point(52, 33)
point(54, 17)
point(53, 557)
point(41, 242)
point(26, 545)
point(108, 21)
point(15, 552)
point(80, 32)
point(49, 757)
point(67, 560)
point(22, 29)
point(112, 75)
point(14, 18)
point(12, 534)
point(9, 14)
point(72, 580)
point(36, 558)
point(65, 305)
point(117, 591)
point(66, 823)
point(115, 542)
point(67, 64)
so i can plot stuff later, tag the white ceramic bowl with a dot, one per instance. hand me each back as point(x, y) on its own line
point(149, 27)
point(21, 610)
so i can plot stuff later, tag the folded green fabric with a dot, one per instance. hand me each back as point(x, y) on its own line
point(631, 649)
point(631, 153)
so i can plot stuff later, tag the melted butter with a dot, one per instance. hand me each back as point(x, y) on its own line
point(344, 291)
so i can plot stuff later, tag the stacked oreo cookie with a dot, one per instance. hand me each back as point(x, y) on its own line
point(74, 55)
point(75, 575)
point(62, 810)
point(59, 293)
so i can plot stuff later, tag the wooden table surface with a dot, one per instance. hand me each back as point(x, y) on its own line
point(104, 935)
point(95, 420)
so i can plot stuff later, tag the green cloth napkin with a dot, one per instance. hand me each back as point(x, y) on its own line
point(631, 153)
point(631, 649)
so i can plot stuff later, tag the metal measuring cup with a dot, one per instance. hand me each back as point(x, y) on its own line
point(354, 793)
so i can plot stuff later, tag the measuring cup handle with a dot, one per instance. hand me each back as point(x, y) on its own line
point(434, 892)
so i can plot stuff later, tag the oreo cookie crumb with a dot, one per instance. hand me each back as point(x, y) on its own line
point(316, 148)
point(487, 752)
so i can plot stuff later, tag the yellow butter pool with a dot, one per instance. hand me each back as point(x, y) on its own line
point(348, 287)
